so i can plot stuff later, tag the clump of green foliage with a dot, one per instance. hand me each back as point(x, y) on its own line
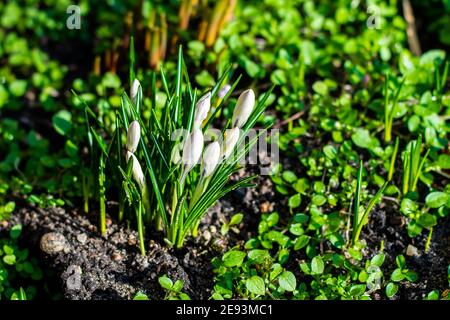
point(173, 290)
point(17, 269)
point(260, 270)
point(177, 193)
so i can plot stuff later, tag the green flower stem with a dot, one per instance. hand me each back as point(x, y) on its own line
point(195, 229)
point(393, 158)
point(366, 213)
point(201, 186)
point(419, 171)
point(146, 201)
point(427, 244)
point(406, 168)
point(121, 206)
point(180, 240)
point(199, 189)
point(102, 197)
point(85, 193)
point(177, 224)
point(140, 228)
point(356, 218)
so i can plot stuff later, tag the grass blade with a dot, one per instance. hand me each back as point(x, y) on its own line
point(356, 218)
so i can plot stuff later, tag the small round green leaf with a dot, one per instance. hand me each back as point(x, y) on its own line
point(295, 201)
point(330, 152)
point(258, 255)
point(357, 290)
point(289, 176)
point(62, 122)
point(236, 219)
point(427, 220)
point(165, 282)
point(318, 200)
point(140, 296)
point(377, 260)
point(287, 281)
point(436, 199)
point(433, 295)
point(397, 275)
point(317, 265)
point(256, 285)
point(301, 242)
point(15, 231)
point(233, 258)
point(9, 259)
point(391, 289)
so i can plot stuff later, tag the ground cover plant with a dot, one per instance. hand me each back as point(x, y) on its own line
point(128, 132)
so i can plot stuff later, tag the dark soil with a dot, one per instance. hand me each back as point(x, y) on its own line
point(386, 224)
point(93, 267)
point(88, 266)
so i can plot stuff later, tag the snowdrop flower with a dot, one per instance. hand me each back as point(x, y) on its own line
point(211, 158)
point(202, 109)
point(231, 138)
point(135, 88)
point(192, 149)
point(243, 109)
point(133, 136)
point(138, 174)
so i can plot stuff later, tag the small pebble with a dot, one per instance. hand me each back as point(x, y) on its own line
point(207, 235)
point(411, 251)
point(73, 281)
point(53, 242)
point(82, 238)
point(116, 256)
point(132, 240)
point(265, 207)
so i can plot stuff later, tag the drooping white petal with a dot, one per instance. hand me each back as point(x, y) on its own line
point(193, 148)
point(202, 109)
point(211, 158)
point(133, 136)
point(135, 87)
point(231, 138)
point(138, 174)
point(243, 109)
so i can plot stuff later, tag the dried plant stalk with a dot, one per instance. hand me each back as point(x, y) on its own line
point(163, 45)
point(155, 48)
point(97, 65)
point(214, 23)
point(228, 14)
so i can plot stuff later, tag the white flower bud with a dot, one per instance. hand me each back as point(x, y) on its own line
point(211, 158)
point(135, 88)
point(223, 92)
point(133, 136)
point(138, 174)
point(243, 109)
point(201, 110)
point(192, 149)
point(231, 138)
point(176, 153)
